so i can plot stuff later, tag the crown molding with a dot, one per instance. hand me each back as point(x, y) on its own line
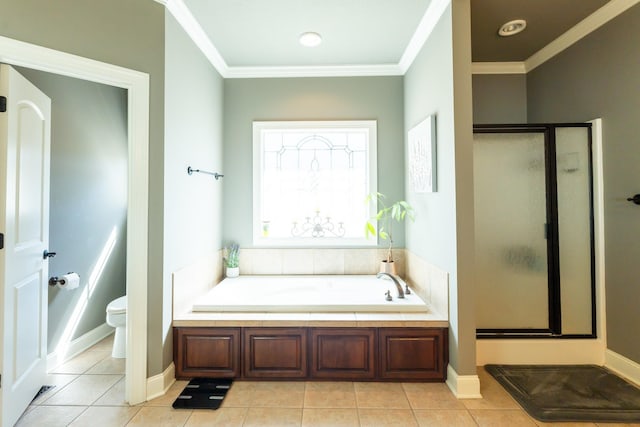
point(428, 22)
point(580, 30)
point(192, 27)
point(313, 71)
point(498, 68)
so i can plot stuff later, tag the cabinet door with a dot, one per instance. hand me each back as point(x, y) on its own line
point(275, 353)
point(207, 352)
point(343, 353)
point(412, 354)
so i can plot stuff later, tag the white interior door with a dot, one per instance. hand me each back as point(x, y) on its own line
point(24, 222)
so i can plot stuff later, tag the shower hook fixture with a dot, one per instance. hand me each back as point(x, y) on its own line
point(635, 199)
point(216, 175)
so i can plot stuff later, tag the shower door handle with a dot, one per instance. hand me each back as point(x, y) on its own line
point(635, 199)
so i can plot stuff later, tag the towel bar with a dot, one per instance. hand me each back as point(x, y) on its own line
point(216, 175)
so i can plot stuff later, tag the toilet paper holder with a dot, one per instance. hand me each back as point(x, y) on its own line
point(53, 281)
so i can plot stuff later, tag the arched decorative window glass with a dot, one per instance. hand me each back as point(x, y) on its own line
point(311, 180)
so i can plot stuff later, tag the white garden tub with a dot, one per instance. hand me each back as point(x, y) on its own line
point(307, 294)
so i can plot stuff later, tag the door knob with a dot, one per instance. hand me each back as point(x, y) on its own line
point(46, 254)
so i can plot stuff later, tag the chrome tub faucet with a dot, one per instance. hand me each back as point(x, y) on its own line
point(395, 280)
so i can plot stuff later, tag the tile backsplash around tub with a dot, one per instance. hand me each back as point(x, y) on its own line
point(315, 261)
point(429, 281)
point(194, 280)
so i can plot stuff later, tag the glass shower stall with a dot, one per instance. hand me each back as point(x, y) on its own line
point(534, 238)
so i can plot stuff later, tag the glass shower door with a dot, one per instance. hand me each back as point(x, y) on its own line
point(510, 237)
point(575, 230)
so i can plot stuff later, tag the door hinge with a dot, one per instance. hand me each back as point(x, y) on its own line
point(3, 104)
point(1, 241)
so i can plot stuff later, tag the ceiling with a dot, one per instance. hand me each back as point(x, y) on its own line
point(546, 21)
point(265, 33)
point(367, 33)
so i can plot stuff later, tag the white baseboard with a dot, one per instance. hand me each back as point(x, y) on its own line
point(541, 351)
point(622, 366)
point(77, 346)
point(463, 386)
point(159, 384)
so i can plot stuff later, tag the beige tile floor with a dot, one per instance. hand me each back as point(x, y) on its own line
point(90, 392)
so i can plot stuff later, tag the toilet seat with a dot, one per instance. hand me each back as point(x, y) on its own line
point(117, 306)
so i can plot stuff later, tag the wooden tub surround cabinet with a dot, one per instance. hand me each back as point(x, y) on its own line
point(312, 353)
point(244, 328)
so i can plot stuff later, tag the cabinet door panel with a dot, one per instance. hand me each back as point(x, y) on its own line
point(343, 353)
point(407, 354)
point(207, 352)
point(275, 353)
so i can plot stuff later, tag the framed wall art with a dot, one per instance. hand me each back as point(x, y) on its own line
point(422, 156)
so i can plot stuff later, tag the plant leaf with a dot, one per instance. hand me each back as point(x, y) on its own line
point(370, 230)
point(395, 211)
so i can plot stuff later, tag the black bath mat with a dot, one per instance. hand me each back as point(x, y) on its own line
point(203, 393)
point(570, 392)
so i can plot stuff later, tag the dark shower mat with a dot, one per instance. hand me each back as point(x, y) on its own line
point(203, 393)
point(570, 392)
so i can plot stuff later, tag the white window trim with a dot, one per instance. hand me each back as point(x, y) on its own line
point(372, 172)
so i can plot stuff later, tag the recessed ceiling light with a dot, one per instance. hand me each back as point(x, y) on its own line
point(512, 27)
point(310, 39)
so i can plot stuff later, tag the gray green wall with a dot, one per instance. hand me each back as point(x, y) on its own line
point(331, 98)
point(125, 33)
point(599, 76)
point(88, 199)
point(443, 232)
point(193, 137)
point(499, 98)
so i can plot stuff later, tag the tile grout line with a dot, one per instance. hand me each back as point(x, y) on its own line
point(78, 416)
point(107, 390)
point(132, 416)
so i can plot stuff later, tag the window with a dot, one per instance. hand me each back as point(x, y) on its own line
point(311, 180)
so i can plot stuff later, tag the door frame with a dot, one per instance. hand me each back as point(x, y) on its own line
point(559, 350)
point(15, 52)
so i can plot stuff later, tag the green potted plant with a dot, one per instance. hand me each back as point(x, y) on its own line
point(231, 259)
point(384, 219)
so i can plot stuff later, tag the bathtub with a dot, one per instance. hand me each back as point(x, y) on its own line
point(345, 293)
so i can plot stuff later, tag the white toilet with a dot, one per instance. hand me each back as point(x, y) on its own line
point(117, 318)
